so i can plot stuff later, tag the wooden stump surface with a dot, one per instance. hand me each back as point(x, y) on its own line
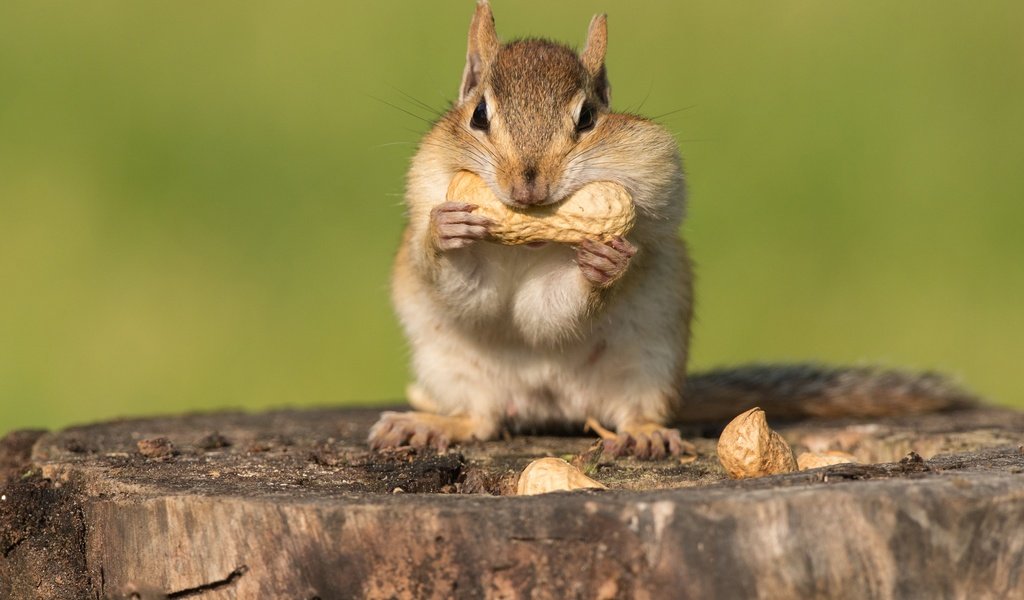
point(290, 504)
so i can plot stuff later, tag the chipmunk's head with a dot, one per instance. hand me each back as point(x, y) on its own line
point(529, 108)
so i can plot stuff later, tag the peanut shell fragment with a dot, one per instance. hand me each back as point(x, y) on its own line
point(598, 210)
point(553, 475)
point(749, 448)
point(813, 460)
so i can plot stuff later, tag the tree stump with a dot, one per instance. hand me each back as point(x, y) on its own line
point(290, 504)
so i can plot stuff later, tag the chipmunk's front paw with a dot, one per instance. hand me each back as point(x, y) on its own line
point(646, 441)
point(453, 225)
point(602, 263)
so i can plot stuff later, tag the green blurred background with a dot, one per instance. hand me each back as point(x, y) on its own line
point(199, 201)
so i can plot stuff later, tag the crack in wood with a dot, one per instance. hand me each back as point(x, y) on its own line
point(232, 577)
point(12, 547)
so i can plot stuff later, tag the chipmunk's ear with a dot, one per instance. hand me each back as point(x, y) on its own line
point(483, 48)
point(592, 57)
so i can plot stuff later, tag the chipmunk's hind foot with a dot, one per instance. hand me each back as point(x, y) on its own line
point(419, 430)
point(647, 441)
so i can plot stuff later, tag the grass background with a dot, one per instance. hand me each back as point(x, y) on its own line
point(199, 201)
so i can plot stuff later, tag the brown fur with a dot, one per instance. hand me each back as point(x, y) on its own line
point(798, 391)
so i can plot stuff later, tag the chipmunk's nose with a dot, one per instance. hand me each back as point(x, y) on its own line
point(530, 189)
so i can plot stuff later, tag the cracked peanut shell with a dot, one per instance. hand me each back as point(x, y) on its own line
point(598, 210)
point(553, 475)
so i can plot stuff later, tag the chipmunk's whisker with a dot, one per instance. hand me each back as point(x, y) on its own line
point(401, 109)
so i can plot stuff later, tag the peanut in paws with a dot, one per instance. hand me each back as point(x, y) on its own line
point(599, 210)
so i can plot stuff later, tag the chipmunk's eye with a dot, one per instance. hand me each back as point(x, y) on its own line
point(479, 120)
point(586, 121)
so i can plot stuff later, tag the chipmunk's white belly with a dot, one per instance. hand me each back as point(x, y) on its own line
point(522, 348)
point(520, 385)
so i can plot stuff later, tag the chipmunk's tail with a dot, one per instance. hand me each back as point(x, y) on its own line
point(798, 391)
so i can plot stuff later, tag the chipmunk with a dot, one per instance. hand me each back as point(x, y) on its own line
point(549, 334)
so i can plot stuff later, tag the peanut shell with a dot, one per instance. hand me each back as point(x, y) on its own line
point(749, 448)
point(598, 210)
point(553, 475)
point(813, 460)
